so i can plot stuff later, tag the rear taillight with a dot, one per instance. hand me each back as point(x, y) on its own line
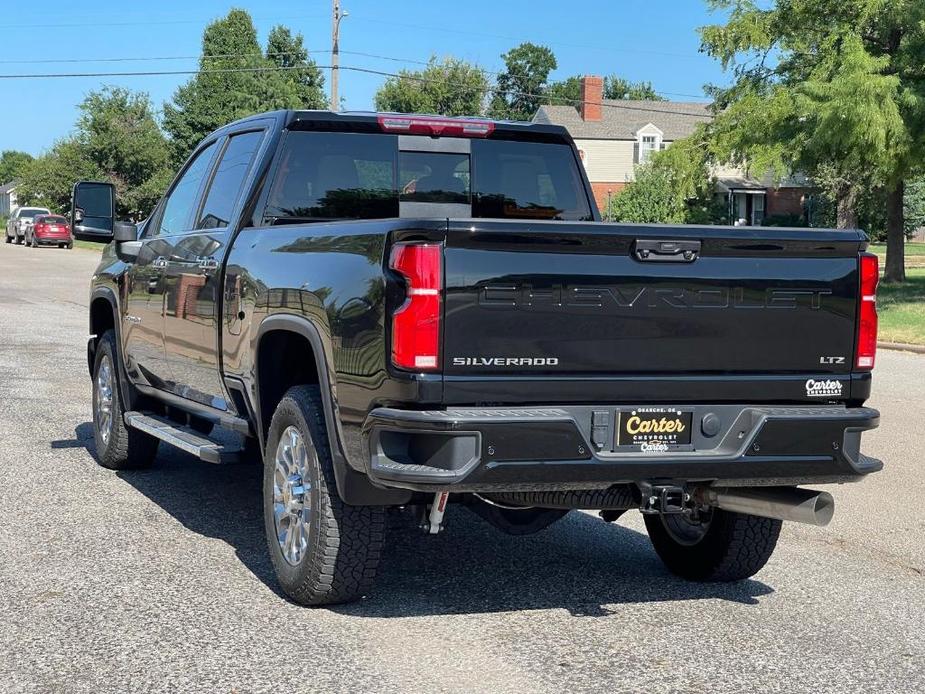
point(867, 314)
point(416, 324)
point(435, 126)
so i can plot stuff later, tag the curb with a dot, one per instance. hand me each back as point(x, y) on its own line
point(902, 347)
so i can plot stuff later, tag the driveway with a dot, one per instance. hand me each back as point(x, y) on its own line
point(158, 580)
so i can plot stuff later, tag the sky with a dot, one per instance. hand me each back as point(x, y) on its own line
point(654, 40)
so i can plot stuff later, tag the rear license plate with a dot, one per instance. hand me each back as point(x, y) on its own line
point(654, 427)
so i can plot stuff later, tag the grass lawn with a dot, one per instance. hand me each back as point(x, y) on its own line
point(902, 309)
point(912, 249)
point(89, 245)
point(915, 253)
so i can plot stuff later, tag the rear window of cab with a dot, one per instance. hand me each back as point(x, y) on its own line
point(330, 176)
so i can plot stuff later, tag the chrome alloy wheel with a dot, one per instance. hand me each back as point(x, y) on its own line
point(291, 495)
point(104, 386)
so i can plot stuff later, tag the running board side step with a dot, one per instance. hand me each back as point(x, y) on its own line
point(182, 437)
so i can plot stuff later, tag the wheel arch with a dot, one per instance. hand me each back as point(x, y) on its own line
point(289, 329)
point(104, 315)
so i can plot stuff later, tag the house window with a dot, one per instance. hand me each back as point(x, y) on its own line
point(648, 144)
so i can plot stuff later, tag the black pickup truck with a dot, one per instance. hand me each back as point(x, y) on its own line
point(401, 311)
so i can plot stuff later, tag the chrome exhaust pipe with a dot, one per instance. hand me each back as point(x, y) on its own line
point(783, 503)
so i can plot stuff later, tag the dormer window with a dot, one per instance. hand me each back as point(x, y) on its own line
point(648, 145)
point(648, 141)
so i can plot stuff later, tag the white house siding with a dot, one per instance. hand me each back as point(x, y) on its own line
point(608, 160)
point(7, 203)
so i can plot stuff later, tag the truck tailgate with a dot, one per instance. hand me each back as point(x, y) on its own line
point(558, 298)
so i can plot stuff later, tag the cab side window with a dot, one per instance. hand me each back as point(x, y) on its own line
point(178, 208)
point(229, 178)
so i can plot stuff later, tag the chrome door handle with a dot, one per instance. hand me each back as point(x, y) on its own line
point(207, 263)
point(159, 262)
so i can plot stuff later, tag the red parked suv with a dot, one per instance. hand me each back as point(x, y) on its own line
point(50, 229)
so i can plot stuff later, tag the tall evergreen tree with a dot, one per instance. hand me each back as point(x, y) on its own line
point(300, 73)
point(217, 94)
point(236, 79)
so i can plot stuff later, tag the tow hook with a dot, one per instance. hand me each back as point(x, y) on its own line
point(433, 524)
point(665, 499)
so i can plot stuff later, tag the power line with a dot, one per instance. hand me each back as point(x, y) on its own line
point(376, 56)
point(152, 58)
point(370, 71)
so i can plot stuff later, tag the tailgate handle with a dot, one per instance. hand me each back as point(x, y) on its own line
point(665, 251)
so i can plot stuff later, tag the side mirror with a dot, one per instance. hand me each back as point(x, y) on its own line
point(124, 231)
point(93, 210)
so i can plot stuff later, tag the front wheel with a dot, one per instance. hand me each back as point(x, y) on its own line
point(716, 546)
point(9, 239)
point(118, 447)
point(324, 551)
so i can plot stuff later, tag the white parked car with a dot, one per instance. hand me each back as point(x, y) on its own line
point(20, 221)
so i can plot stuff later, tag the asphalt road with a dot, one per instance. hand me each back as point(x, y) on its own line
point(159, 580)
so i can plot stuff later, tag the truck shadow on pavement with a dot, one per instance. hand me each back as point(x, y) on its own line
point(580, 564)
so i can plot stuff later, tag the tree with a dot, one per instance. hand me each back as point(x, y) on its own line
point(236, 79)
point(12, 163)
point(568, 91)
point(120, 135)
point(616, 88)
point(117, 139)
point(520, 87)
point(49, 179)
point(675, 187)
point(300, 72)
point(212, 98)
point(449, 87)
point(831, 87)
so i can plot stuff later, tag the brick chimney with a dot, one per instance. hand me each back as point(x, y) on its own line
point(592, 93)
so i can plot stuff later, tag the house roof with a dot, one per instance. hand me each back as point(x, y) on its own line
point(9, 187)
point(728, 184)
point(621, 119)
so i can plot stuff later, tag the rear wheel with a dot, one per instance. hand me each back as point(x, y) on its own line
point(9, 239)
point(716, 546)
point(324, 551)
point(118, 447)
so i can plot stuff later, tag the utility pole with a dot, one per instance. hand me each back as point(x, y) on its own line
point(335, 53)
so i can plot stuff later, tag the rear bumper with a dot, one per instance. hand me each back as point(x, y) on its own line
point(53, 240)
point(478, 449)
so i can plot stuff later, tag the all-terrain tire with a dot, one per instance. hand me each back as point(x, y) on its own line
point(122, 448)
point(343, 543)
point(734, 547)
